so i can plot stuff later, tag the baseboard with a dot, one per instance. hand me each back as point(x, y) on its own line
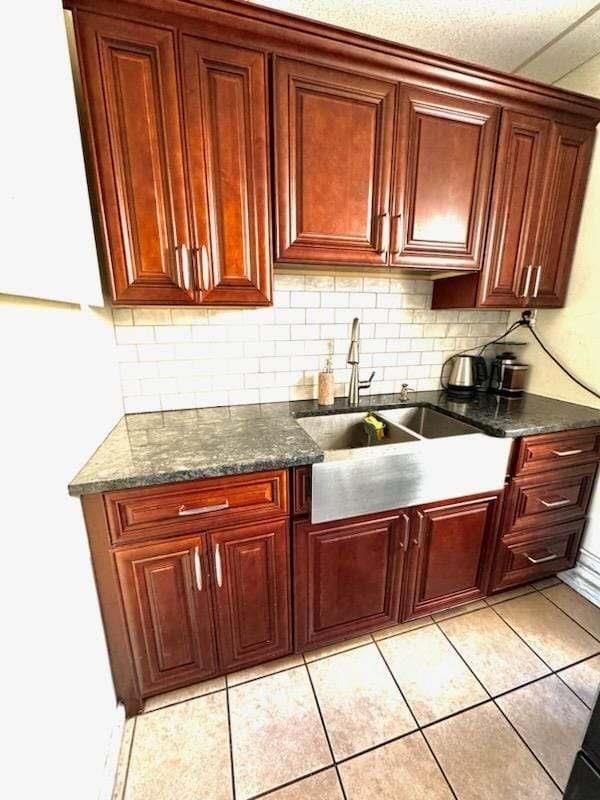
point(109, 773)
point(585, 576)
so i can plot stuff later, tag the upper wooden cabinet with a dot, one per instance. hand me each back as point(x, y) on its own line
point(446, 147)
point(333, 155)
point(183, 187)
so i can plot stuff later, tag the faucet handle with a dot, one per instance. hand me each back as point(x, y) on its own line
point(366, 384)
point(404, 390)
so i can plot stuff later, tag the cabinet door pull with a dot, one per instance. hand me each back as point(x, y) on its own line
point(184, 265)
point(551, 557)
point(182, 511)
point(396, 235)
point(198, 568)
point(527, 281)
point(218, 569)
point(538, 278)
point(420, 531)
point(384, 233)
point(563, 501)
point(406, 535)
point(562, 453)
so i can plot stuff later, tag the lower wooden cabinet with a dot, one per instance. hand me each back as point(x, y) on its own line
point(449, 554)
point(206, 604)
point(347, 576)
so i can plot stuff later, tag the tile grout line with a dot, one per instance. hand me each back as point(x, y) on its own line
point(566, 613)
point(335, 764)
point(232, 770)
point(413, 715)
point(290, 783)
point(493, 700)
point(129, 754)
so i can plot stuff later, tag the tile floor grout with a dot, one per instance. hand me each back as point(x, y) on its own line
point(230, 739)
point(583, 628)
point(129, 754)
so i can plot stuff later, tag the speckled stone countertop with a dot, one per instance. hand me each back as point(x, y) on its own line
point(163, 447)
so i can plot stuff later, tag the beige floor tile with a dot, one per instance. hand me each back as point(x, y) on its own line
point(551, 720)
point(276, 732)
point(359, 700)
point(454, 612)
point(584, 679)
point(404, 627)
point(545, 582)
point(186, 693)
point(576, 606)
point(123, 761)
point(509, 595)
point(338, 647)
point(403, 769)
point(262, 670)
point(433, 678)
point(484, 759)
point(322, 786)
point(494, 652)
point(182, 751)
point(558, 640)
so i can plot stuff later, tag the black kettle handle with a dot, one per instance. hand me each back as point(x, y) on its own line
point(481, 371)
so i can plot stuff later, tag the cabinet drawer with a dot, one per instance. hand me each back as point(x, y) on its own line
point(548, 498)
point(302, 486)
point(548, 451)
point(541, 552)
point(188, 506)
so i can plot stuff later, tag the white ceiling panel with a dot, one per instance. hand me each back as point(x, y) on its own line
point(585, 79)
point(499, 33)
point(571, 50)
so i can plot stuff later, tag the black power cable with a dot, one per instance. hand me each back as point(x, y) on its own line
point(479, 347)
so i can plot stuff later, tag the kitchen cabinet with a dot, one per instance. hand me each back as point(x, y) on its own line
point(166, 595)
point(333, 155)
point(347, 576)
point(449, 556)
point(182, 186)
point(541, 173)
point(441, 134)
point(251, 593)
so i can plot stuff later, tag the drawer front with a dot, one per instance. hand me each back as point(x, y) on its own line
point(548, 451)
point(302, 485)
point(541, 552)
point(548, 498)
point(192, 505)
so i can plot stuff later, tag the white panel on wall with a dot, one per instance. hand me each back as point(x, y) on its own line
point(48, 248)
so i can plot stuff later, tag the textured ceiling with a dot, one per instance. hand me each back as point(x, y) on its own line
point(543, 39)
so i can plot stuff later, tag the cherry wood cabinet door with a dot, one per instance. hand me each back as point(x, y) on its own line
point(449, 555)
point(445, 161)
point(347, 577)
point(570, 154)
point(516, 204)
point(251, 591)
point(130, 81)
point(167, 605)
point(333, 149)
point(226, 135)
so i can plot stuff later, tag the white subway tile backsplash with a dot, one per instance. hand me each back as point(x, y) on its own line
point(174, 358)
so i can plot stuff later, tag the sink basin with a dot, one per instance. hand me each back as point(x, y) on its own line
point(427, 423)
point(346, 432)
point(425, 457)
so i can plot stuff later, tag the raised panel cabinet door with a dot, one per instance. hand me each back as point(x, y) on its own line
point(167, 605)
point(251, 591)
point(570, 153)
point(516, 204)
point(226, 138)
point(333, 149)
point(347, 577)
point(449, 556)
point(443, 172)
point(130, 81)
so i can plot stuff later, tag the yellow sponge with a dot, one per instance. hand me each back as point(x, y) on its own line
point(376, 426)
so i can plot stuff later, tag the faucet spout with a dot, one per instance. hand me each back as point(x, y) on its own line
point(353, 359)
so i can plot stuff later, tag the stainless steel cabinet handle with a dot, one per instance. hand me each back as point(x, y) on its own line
point(533, 560)
point(420, 531)
point(182, 511)
point(396, 235)
point(527, 281)
point(561, 453)
point(384, 233)
point(218, 569)
point(406, 535)
point(555, 503)
point(198, 568)
point(184, 262)
point(538, 278)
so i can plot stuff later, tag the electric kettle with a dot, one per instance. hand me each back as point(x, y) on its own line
point(468, 373)
point(508, 376)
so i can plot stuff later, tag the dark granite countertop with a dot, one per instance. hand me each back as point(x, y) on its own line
point(167, 446)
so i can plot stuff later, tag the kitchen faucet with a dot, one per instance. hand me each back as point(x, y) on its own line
point(353, 358)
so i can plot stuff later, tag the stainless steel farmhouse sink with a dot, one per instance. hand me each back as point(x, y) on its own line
point(424, 456)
